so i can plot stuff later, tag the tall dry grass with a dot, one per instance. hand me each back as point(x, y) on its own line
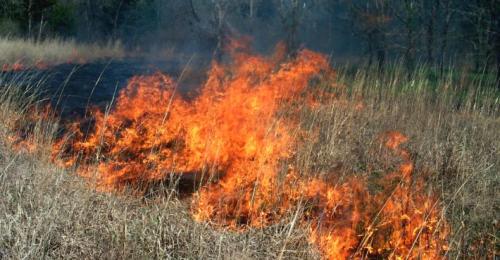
point(48, 212)
point(452, 122)
point(54, 51)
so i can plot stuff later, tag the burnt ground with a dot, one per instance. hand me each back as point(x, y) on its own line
point(73, 88)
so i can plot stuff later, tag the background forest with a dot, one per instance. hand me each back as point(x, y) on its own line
point(437, 32)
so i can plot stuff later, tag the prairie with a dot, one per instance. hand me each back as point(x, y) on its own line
point(451, 120)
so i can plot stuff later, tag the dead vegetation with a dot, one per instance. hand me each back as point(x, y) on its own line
point(452, 123)
point(30, 53)
point(48, 212)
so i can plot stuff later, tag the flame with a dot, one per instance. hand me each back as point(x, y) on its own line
point(20, 65)
point(19, 130)
point(16, 66)
point(236, 134)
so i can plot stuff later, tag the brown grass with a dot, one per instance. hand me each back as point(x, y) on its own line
point(54, 51)
point(452, 123)
point(48, 212)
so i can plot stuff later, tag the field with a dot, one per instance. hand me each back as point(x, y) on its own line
point(18, 54)
point(450, 119)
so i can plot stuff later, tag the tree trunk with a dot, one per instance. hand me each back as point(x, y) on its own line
point(493, 35)
point(410, 24)
point(290, 19)
point(39, 38)
point(90, 20)
point(158, 19)
point(251, 4)
point(220, 13)
point(447, 14)
point(370, 50)
point(293, 28)
point(114, 35)
point(410, 48)
point(30, 17)
point(495, 13)
point(193, 11)
point(498, 69)
point(381, 51)
point(430, 32)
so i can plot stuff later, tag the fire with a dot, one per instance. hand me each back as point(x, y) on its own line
point(236, 134)
point(231, 125)
point(16, 66)
point(20, 130)
point(345, 220)
point(20, 66)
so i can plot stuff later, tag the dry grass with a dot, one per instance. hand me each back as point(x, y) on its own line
point(452, 122)
point(54, 51)
point(48, 212)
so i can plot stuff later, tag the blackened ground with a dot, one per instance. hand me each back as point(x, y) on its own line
point(72, 88)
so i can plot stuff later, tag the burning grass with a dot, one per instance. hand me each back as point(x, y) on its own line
point(286, 152)
point(19, 54)
point(232, 128)
point(46, 211)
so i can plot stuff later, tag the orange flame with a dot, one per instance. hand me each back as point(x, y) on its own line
point(236, 128)
point(19, 133)
point(20, 65)
point(232, 124)
point(16, 66)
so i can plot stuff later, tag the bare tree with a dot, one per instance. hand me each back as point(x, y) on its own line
point(430, 12)
point(291, 12)
point(370, 21)
point(195, 15)
point(447, 14)
point(221, 8)
point(115, 20)
point(30, 17)
point(406, 11)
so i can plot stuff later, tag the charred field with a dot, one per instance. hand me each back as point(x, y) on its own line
point(253, 156)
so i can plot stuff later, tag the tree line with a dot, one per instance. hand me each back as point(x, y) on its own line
point(430, 31)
